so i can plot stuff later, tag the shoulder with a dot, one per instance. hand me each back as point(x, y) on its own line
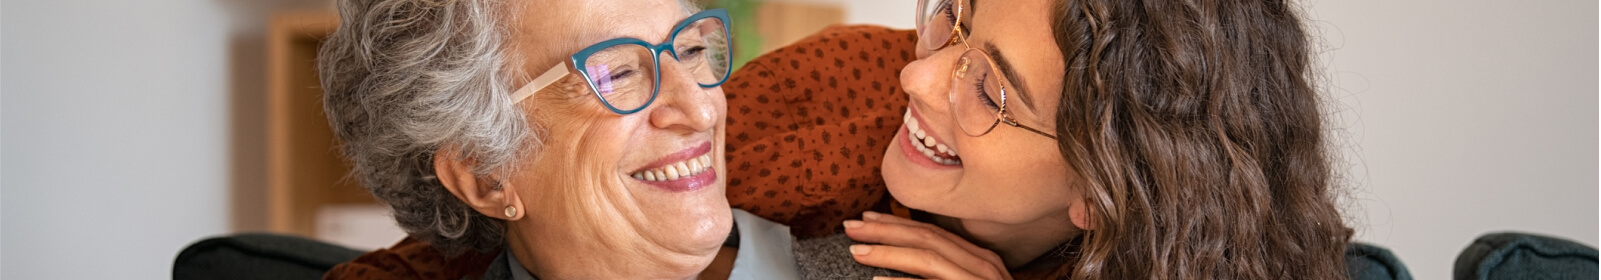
point(413, 259)
point(807, 124)
point(837, 58)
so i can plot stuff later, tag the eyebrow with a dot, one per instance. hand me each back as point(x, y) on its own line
point(1006, 69)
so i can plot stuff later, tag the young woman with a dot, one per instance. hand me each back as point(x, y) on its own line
point(1082, 139)
point(1133, 139)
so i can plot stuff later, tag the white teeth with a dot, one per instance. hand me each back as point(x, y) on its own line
point(683, 169)
point(927, 145)
point(911, 122)
point(935, 157)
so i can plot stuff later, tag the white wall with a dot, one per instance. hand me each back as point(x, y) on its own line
point(118, 130)
point(1458, 117)
point(1466, 117)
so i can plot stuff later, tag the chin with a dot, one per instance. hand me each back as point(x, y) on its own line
point(699, 225)
point(700, 241)
point(902, 181)
point(711, 229)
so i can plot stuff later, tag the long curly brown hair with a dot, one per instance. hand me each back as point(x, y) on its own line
point(1197, 130)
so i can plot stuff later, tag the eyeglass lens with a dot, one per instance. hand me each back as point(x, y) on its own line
point(976, 93)
point(936, 20)
point(625, 75)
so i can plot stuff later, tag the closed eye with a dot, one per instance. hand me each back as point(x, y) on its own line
point(691, 52)
point(621, 74)
point(983, 94)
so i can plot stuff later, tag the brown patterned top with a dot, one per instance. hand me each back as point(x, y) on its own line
point(808, 125)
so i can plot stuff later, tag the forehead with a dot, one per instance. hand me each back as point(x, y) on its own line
point(546, 31)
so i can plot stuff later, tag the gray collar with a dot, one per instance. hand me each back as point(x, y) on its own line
point(766, 249)
point(517, 271)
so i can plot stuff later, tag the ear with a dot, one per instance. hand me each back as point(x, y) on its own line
point(489, 196)
point(1079, 212)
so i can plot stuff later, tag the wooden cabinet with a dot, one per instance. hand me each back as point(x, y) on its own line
point(305, 171)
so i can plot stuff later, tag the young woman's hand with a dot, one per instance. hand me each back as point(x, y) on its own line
point(922, 249)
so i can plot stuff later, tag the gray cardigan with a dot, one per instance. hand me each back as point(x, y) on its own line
point(830, 258)
point(766, 251)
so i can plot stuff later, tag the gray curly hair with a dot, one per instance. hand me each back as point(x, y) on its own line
point(403, 78)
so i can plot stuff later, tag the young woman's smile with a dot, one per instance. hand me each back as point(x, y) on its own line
point(923, 147)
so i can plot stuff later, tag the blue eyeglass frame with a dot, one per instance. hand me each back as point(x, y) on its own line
point(579, 59)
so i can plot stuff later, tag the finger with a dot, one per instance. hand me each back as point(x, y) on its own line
point(986, 254)
point(892, 219)
point(919, 262)
point(947, 246)
point(894, 278)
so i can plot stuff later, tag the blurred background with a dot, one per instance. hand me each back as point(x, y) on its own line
point(129, 129)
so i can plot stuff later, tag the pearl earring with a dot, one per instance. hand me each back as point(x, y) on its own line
point(511, 211)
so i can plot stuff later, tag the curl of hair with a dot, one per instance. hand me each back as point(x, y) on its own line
point(1197, 130)
point(405, 78)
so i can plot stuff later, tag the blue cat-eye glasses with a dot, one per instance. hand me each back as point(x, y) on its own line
point(623, 72)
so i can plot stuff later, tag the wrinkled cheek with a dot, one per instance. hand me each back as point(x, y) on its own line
point(576, 188)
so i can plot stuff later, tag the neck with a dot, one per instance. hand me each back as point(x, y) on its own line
point(722, 266)
point(557, 257)
point(1019, 243)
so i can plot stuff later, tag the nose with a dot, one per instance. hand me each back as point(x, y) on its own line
point(928, 80)
point(682, 104)
point(922, 50)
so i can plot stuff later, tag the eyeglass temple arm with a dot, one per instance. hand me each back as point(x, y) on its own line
point(539, 83)
point(1010, 122)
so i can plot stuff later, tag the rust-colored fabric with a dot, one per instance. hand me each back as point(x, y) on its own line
point(808, 125)
point(413, 259)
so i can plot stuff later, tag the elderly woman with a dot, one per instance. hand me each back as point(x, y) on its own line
point(561, 139)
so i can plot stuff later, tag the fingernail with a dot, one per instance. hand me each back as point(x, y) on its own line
point(853, 224)
point(870, 216)
point(860, 249)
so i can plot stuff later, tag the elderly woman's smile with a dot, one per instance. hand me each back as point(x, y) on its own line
point(686, 170)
